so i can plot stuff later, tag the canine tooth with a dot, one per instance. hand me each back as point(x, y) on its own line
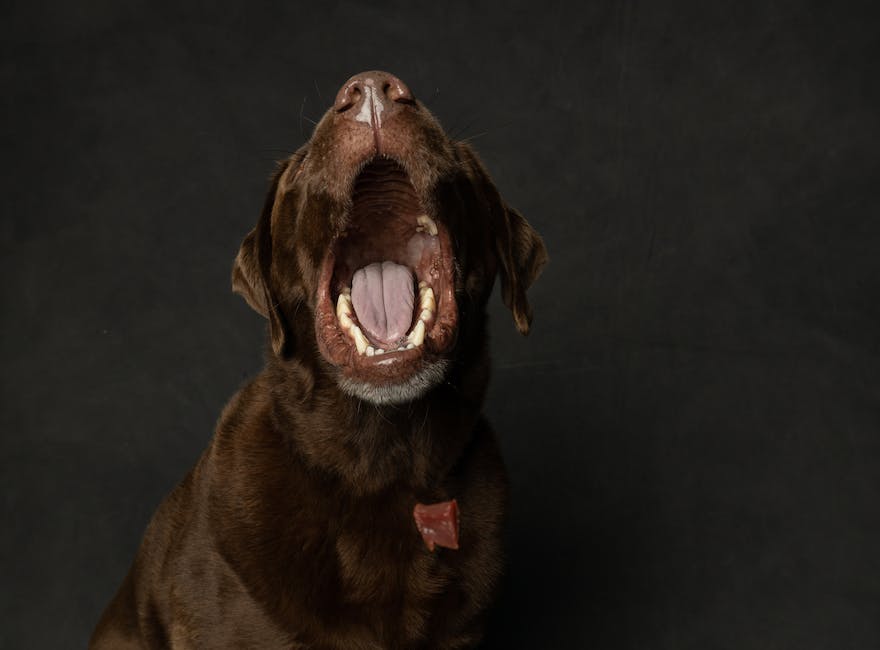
point(343, 311)
point(360, 340)
point(418, 334)
point(426, 315)
point(428, 224)
point(370, 351)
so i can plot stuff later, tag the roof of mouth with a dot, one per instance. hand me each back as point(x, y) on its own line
point(384, 187)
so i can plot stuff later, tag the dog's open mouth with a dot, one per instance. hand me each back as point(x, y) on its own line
point(386, 300)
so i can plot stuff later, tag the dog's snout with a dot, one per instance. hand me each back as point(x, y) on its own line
point(370, 96)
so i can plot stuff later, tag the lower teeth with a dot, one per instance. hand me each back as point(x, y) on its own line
point(415, 338)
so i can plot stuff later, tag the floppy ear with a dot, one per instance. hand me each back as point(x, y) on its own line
point(247, 281)
point(522, 255)
point(518, 247)
point(250, 272)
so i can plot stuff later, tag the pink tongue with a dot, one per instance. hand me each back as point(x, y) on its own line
point(382, 297)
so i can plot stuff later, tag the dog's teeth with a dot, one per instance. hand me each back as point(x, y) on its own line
point(346, 291)
point(360, 340)
point(417, 336)
point(426, 315)
point(380, 351)
point(370, 351)
point(343, 311)
point(409, 346)
point(427, 224)
point(426, 299)
point(422, 285)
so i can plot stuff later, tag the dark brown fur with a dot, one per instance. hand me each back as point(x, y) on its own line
point(295, 527)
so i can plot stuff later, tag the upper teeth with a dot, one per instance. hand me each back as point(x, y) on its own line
point(427, 309)
point(426, 224)
point(426, 299)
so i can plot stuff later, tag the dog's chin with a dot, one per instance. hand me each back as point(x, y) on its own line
point(409, 390)
point(386, 314)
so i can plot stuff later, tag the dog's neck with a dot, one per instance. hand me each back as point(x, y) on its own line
point(372, 447)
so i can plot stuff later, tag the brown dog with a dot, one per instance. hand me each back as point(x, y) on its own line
point(373, 259)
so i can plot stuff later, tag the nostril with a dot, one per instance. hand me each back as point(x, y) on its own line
point(349, 96)
point(397, 91)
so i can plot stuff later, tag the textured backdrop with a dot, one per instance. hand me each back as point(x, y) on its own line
point(693, 427)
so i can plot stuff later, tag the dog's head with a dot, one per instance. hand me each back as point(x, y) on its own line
point(378, 239)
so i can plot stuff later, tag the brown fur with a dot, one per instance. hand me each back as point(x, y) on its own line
point(295, 527)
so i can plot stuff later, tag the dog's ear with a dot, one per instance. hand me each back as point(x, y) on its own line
point(247, 281)
point(518, 247)
point(250, 272)
point(522, 255)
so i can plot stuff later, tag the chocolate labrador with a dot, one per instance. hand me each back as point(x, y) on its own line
point(353, 495)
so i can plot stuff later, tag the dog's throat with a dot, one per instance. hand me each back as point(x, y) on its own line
point(383, 295)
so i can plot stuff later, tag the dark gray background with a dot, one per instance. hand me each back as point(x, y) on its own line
point(693, 427)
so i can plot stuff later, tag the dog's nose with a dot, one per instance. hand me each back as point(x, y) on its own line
point(371, 96)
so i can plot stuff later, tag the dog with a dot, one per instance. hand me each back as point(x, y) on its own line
point(353, 495)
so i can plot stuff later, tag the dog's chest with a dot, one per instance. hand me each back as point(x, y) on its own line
point(381, 557)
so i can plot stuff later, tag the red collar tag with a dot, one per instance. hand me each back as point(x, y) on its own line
point(438, 524)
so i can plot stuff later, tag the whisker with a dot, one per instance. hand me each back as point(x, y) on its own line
point(301, 107)
point(286, 152)
point(318, 90)
point(474, 137)
point(455, 133)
